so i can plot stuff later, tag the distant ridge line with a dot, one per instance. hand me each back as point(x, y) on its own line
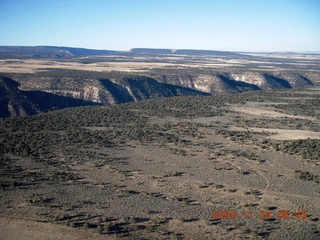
point(153, 51)
point(68, 52)
point(60, 52)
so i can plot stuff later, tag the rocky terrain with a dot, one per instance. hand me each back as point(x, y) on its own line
point(16, 102)
point(24, 94)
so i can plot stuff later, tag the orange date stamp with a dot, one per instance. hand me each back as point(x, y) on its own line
point(263, 214)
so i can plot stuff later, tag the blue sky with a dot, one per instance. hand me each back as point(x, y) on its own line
point(231, 25)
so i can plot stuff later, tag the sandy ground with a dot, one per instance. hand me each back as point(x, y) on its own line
point(261, 110)
point(151, 182)
point(282, 134)
point(145, 63)
point(31, 66)
point(12, 229)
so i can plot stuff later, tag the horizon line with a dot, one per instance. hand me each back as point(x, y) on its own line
point(171, 49)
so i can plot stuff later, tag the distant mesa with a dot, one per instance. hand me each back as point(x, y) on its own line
point(150, 51)
point(157, 51)
point(68, 52)
point(48, 52)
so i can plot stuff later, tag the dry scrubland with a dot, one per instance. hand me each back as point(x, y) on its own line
point(145, 63)
point(158, 169)
point(162, 168)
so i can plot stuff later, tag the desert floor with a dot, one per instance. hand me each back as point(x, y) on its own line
point(207, 185)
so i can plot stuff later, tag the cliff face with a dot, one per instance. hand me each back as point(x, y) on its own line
point(121, 89)
point(239, 82)
point(12, 101)
point(274, 80)
point(25, 94)
point(16, 102)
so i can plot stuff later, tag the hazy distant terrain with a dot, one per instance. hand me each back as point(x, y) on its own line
point(79, 77)
point(160, 144)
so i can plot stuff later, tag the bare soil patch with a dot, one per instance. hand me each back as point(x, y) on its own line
point(281, 134)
